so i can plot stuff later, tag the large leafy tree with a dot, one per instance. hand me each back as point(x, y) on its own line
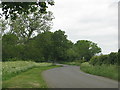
point(86, 49)
point(61, 45)
point(27, 26)
point(71, 54)
point(13, 9)
point(9, 42)
point(44, 44)
point(26, 19)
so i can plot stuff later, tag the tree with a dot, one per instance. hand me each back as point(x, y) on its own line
point(27, 26)
point(44, 45)
point(32, 52)
point(61, 44)
point(14, 9)
point(71, 54)
point(113, 58)
point(9, 43)
point(86, 49)
point(10, 39)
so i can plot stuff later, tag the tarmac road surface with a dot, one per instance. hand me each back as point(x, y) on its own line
point(72, 77)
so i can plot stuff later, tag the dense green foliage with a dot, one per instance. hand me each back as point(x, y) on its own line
point(110, 71)
point(47, 46)
point(111, 58)
point(86, 49)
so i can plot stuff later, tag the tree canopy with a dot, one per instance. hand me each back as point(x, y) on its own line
point(13, 9)
point(27, 26)
point(86, 49)
point(47, 46)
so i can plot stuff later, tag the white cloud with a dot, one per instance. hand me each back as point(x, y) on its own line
point(95, 20)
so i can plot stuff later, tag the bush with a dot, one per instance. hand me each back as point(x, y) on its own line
point(103, 59)
point(111, 58)
point(94, 60)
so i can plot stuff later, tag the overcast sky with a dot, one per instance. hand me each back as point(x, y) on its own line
point(94, 20)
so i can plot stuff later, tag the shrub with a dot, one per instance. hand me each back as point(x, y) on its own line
point(103, 59)
point(94, 60)
point(111, 58)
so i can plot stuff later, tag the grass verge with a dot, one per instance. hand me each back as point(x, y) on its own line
point(110, 71)
point(13, 68)
point(29, 79)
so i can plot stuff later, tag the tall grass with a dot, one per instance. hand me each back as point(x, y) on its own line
point(31, 78)
point(12, 68)
point(110, 71)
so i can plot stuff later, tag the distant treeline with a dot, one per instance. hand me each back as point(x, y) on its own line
point(47, 47)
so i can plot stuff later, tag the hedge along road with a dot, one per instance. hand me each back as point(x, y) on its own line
point(72, 77)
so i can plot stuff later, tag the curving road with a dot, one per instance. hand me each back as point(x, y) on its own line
point(71, 77)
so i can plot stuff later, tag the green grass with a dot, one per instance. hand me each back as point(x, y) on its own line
point(29, 79)
point(110, 71)
point(13, 68)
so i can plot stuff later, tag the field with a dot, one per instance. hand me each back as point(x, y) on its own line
point(24, 74)
point(110, 71)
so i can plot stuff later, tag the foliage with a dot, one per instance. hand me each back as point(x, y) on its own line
point(86, 49)
point(28, 36)
point(46, 46)
point(10, 39)
point(14, 9)
point(111, 58)
point(110, 71)
point(60, 45)
point(71, 54)
point(27, 26)
point(9, 42)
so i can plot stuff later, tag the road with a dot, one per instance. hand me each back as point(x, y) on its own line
point(72, 77)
